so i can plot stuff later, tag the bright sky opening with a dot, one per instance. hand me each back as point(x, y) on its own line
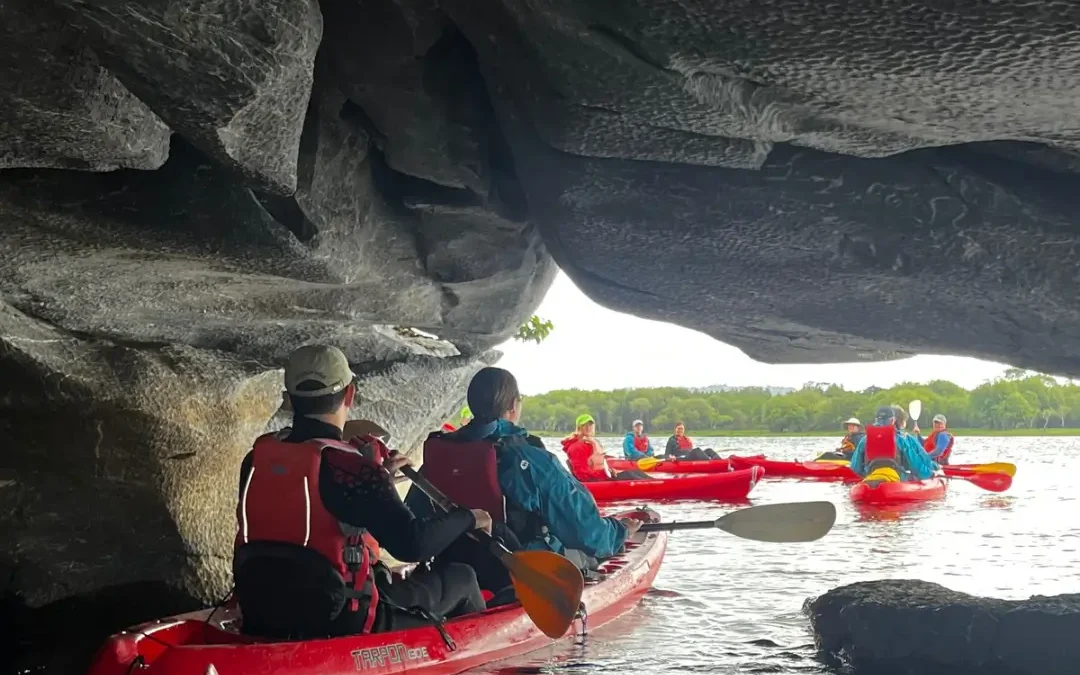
point(593, 347)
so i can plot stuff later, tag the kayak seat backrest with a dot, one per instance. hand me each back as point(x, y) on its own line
point(467, 473)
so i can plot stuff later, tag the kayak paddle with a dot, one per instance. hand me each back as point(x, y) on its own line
point(992, 467)
point(648, 463)
point(994, 482)
point(915, 410)
point(547, 585)
point(789, 522)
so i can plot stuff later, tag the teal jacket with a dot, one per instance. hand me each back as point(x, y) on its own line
point(916, 464)
point(630, 452)
point(534, 480)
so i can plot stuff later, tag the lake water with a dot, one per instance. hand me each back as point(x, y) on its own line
point(726, 605)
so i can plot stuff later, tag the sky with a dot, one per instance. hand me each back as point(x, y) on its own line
point(589, 350)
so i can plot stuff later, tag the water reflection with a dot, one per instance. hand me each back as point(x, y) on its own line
point(727, 605)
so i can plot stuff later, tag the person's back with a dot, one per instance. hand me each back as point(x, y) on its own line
point(886, 453)
point(313, 513)
point(546, 507)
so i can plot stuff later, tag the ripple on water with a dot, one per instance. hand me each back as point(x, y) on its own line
point(726, 605)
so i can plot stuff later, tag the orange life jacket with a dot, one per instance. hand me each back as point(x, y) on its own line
point(930, 444)
point(280, 502)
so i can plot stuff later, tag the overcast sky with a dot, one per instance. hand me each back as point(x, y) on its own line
point(596, 348)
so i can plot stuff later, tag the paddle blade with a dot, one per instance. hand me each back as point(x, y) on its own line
point(994, 467)
point(549, 588)
point(994, 482)
point(791, 522)
point(915, 409)
point(648, 463)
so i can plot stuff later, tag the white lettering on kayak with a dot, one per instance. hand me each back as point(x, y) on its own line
point(377, 657)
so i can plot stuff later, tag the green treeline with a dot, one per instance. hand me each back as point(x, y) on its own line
point(1018, 400)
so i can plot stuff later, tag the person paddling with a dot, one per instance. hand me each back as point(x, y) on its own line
point(939, 443)
point(681, 446)
point(636, 444)
point(854, 434)
point(316, 509)
point(493, 460)
point(586, 458)
point(889, 454)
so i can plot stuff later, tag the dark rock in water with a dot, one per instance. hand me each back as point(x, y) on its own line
point(908, 626)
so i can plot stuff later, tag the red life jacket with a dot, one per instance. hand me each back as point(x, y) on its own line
point(281, 503)
point(641, 443)
point(931, 443)
point(880, 445)
point(466, 472)
point(448, 428)
point(685, 443)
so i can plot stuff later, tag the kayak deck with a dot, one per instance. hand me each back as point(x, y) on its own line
point(903, 491)
point(675, 466)
point(791, 469)
point(728, 486)
point(208, 642)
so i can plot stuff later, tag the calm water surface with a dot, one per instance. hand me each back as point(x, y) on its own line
point(726, 605)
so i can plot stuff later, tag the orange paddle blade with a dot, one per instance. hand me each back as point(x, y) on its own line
point(549, 588)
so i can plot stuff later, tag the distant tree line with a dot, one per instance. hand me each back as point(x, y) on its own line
point(1019, 399)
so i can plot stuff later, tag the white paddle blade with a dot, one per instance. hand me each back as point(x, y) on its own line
point(789, 522)
point(915, 409)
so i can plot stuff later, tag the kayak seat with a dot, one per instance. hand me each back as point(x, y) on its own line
point(467, 473)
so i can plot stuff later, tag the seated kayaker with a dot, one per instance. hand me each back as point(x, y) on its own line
point(545, 507)
point(888, 454)
point(851, 439)
point(681, 446)
point(314, 511)
point(939, 443)
point(586, 458)
point(636, 444)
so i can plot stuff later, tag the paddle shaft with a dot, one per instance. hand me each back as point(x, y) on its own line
point(442, 501)
point(688, 525)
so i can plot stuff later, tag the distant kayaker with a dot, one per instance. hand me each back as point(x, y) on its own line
point(463, 419)
point(681, 446)
point(586, 457)
point(636, 444)
point(888, 453)
point(847, 444)
point(939, 443)
point(315, 509)
point(545, 507)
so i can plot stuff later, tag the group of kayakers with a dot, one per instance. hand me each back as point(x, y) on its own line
point(317, 507)
point(886, 451)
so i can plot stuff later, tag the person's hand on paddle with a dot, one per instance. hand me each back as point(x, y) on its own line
point(395, 461)
point(632, 525)
point(483, 520)
point(915, 428)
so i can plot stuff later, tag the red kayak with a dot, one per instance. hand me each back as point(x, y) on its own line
point(675, 466)
point(783, 469)
point(208, 643)
point(903, 491)
point(729, 486)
